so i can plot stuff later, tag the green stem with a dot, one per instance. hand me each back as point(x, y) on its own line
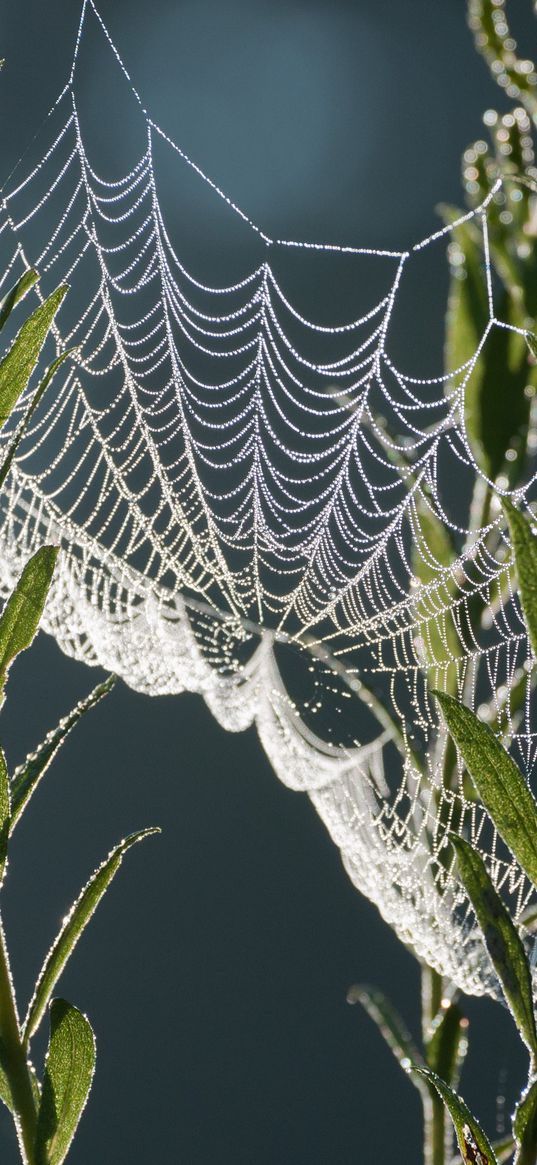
point(14, 1060)
point(434, 1123)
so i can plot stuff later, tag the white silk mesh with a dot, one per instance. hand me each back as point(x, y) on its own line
point(242, 496)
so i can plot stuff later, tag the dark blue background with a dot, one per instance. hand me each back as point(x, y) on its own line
point(215, 971)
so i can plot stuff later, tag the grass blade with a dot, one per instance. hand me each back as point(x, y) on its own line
point(39, 393)
point(448, 1045)
point(69, 1068)
point(498, 780)
point(16, 368)
point(502, 940)
point(525, 1126)
point(28, 775)
point(15, 294)
point(474, 1145)
point(5, 813)
point(73, 926)
point(391, 1027)
point(20, 618)
point(524, 542)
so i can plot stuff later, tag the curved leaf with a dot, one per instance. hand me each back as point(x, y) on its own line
point(524, 543)
point(39, 393)
point(73, 926)
point(5, 813)
point(20, 618)
point(498, 780)
point(525, 1126)
point(392, 1028)
point(474, 1145)
point(28, 775)
point(448, 1044)
point(502, 940)
point(15, 294)
point(16, 368)
point(69, 1068)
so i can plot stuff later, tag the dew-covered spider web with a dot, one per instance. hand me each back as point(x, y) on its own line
point(246, 500)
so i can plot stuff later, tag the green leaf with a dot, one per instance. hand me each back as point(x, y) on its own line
point(6, 1094)
point(524, 543)
point(525, 1126)
point(73, 926)
point(5, 813)
point(531, 341)
point(439, 640)
point(15, 294)
point(502, 940)
point(448, 1044)
point(496, 409)
point(474, 1146)
point(468, 311)
point(17, 367)
point(391, 1027)
point(69, 1068)
point(20, 618)
point(28, 775)
point(498, 780)
point(39, 393)
point(504, 1149)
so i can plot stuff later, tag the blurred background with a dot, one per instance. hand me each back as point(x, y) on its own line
point(216, 969)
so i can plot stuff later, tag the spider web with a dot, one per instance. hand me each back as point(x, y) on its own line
point(244, 499)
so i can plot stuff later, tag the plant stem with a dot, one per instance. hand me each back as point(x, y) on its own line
point(434, 1124)
point(14, 1060)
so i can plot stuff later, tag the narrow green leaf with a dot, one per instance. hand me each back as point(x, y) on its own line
point(15, 294)
point(391, 1027)
point(432, 549)
point(20, 618)
point(69, 1068)
point(19, 363)
point(498, 780)
point(504, 1149)
point(502, 940)
point(525, 1126)
point(28, 775)
point(73, 926)
point(6, 1094)
point(468, 312)
point(496, 409)
point(5, 813)
point(531, 341)
point(448, 1044)
point(39, 393)
point(474, 1146)
point(524, 542)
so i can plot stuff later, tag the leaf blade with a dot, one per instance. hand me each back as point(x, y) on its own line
point(69, 1069)
point(448, 1044)
point(390, 1025)
point(502, 940)
point(17, 366)
point(471, 1138)
point(498, 780)
point(5, 813)
point(27, 280)
point(39, 393)
point(525, 1125)
point(28, 775)
point(524, 543)
point(73, 926)
point(20, 618)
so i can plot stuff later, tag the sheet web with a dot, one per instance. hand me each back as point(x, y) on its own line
point(245, 500)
